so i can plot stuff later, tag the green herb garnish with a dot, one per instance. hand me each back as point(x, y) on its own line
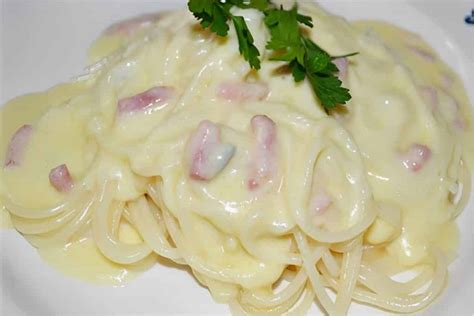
point(288, 43)
point(215, 15)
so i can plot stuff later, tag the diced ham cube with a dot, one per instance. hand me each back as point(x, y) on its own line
point(145, 100)
point(341, 64)
point(206, 154)
point(16, 148)
point(447, 80)
point(319, 203)
point(242, 91)
point(61, 179)
point(416, 157)
point(430, 96)
point(424, 54)
point(459, 121)
point(264, 161)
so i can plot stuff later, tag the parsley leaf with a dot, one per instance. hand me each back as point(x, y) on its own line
point(329, 90)
point(215, 15)
point(297, 71)
point(210, 14)
point(306, 58)
point(304, 19)
point(246, 47)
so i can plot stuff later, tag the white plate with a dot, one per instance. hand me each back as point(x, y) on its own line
point(44, 42)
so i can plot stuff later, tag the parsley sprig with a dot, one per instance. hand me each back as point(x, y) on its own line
point(288, 42)
point(215, 15)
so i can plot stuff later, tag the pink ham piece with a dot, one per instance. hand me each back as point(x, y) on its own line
point(319, 203)
point(430, 96)
point(61, 179)
point(242, 91)
point(206, 154)
point(318, 206)
point(144, 100)
point(17, 146)
point(422, 53)
point(459, 122)
point(341, 64)
point(264, 160)
point(416, 157)
point(131, 26)
point(447, 80)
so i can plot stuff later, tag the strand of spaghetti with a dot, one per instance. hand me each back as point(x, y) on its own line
point(348, 277)
point(276, 309)
point(158, 215)
point(157, 200)
point(329, 280)
point(155, 211)
point(317, 254)
point(328, 237)
point(110, 246)
point(149, 229)
point(236, 308)
point(222, 292)
point(313, 274)
point(127, 216)
point(390, 214)
point(32, 226)
point(331, 263)
point(382, 299)
point(387, 265)
point(288, 274)
point(25, 212)
point(116, 217)
point(62, 236)
point(466, 182)
point(258, 300)
point(380, 283)
point(157, 203)
point(155, 194)
point(199, 277)
point(401, 303)
point(305, 304)
point(344, 247)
